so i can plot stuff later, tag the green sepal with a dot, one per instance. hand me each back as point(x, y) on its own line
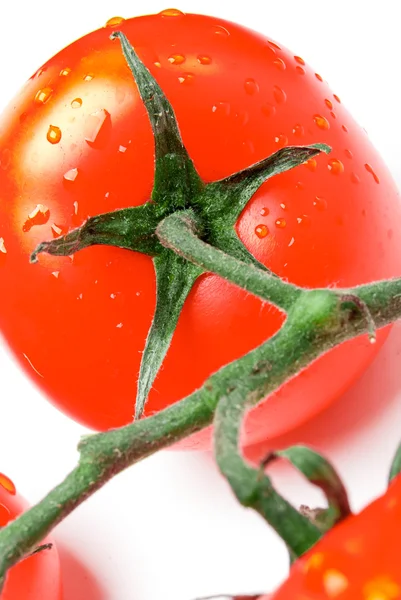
point(395, 468)
point(174, 280)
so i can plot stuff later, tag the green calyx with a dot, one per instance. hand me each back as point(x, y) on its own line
point(209, 210)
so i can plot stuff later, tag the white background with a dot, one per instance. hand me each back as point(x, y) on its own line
point(169, 528)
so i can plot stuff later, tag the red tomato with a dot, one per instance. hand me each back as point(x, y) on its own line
point(38, 576)
point(76, 142)
point(357, 560)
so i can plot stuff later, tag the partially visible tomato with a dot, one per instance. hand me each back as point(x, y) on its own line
point(357, 560)
point(38, 576)
point(76, 142)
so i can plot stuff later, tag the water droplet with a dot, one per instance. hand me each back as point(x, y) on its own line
point(268, 110)
point(119, 326)
point(336, 98)
point(203, 59)
point(249, 146)
point(222, 108)
point(298, 130)
point(53, 134)
point(94, 124)
point(304, 221)
point(348, 153)
point(122, 149)
point(221, 31)
point(171, 12)
point(335, 166)
point(43, 95)
point(300, 70)
point(370, 170)
point(2, 246)
point(186, 78)
point(344, 128)
point(299, 60)
point(281, 140)
point(40, 72)
point(114, 21)
point(320, 203)
point(274, 45)
point(328, 103)
point(355, 178)
point(281, 223)
point(88, 77)
point(39, 216)
point(56, 274)
point(299, 186)
point(283, 206)
point(280, 64)
point(71, 175)
point(333, 114)
point(76, 103)
point(279, 95)
point(75, 205)
point(5, 515)
point(261, 231)
point(319, 77)
point(264, 211)
point(113, 296)
point(157, 64)
point(65, 72)
point(311, 164)
point(57, 230)
point(321, 122)
point(291, 242)
point(176, 59)
point(251, 87)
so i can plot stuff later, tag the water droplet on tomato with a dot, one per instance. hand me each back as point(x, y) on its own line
point(88, 77)
point(203, 59)
point(221, 31)
point(280, 64)
point(281, 140)
point(264, 211)
point(222, 108)
point(300, 70)
point(320, 203)
point(122, 149)
point(336, 98)
point(39, 216)
point(76, 103)
point(283, 206)
point(56, 274)
point(321, 122)
point(251, 87)
point(157, 64)
point(299, 60)
point(176, 59)
point(261, 231)
point(348, 153)
point(43, 95)
point(311, 164)
point(5, 515)
point(268, 110)
point(291, 242)
point(274, 45)
point(329, 103)
point(2, 246)
point(335, 166)
point(298, 130)
point(319, 77)
point(344, 128)
point(279, 94)
point(333, 114)
point(186, 78)
point(370, 170)
point(53, 134)
point(94, 125)
point(355, 178)
point(119, 326)
point(65, 72)
point(280, 223)
point(171, 12)
point(114, 21)
point(304, 220)
point(57, 231)
point(299, 186)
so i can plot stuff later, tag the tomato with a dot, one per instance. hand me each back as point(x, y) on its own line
point(357, 560)
point(38, 576)
point(76, 141)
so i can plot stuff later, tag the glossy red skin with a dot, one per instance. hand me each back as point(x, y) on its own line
point(36, 577)
point(357, 560)
point(80, 335)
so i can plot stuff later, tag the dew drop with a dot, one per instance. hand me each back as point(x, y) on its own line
point(39, 216)
point(7, 484)
point(344, 128)
point(300, 70)
point(171, 12)
point(56, 274)
point(298, 130)
point(336, 98)
point(304, 221)
point(311, 164)
point(291, 242)
point(355, 178)
point(71, 175)
point(264, 211)
point(281, 140)
point(299, 60)
point(65, 72)
point(222, 108)
point(320, 203)
point(335, 166)
point(370, 170)
point(283, 206)
point(280, 64)
point(122, 149)
point(281, 223)
point(119, 326)
point(88, 77)
point(76, 103)
point(299, 186)
point(203, 59)
point(268, 110)
point(157, 64)
point(75, 205)
point(321, 122)
point(333, 114)
point(279, 94)
point(94, 124)
point(261, 231)
point(274, 45)
point(5, 515)
point(329, 103)
point(114, 21)
point(53, 134)
point(348, 153)
point(251, 87)
point(2, 246)
point(43, 95)
point(319, 77)
point(176, 59)
point(56, 230)
point(221, 31)
point(186, 78)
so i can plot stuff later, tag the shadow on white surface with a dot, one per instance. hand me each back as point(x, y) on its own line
point(79, 583)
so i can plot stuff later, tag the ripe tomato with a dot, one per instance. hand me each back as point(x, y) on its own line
point(38, 576)
point(357, 560)
point(76, 142)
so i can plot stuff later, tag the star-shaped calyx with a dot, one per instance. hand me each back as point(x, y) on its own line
point(177, 187)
